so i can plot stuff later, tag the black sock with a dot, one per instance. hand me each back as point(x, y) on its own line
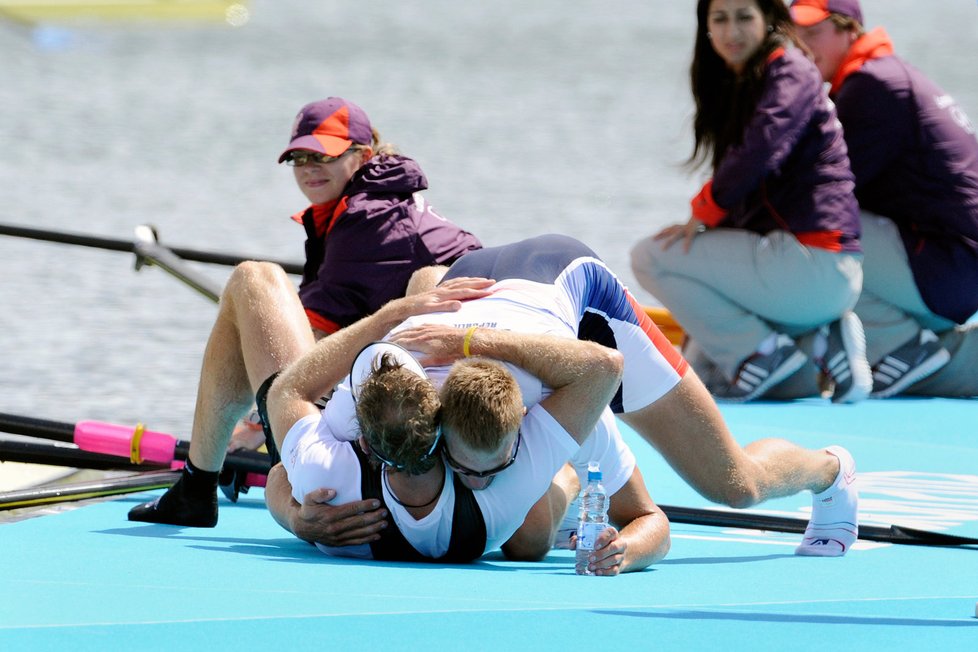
point(197, 481)
point(191, 501)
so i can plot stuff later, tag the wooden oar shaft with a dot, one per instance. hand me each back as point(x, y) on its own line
point(112, 244)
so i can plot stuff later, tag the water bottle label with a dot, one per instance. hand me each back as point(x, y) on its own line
point(587, 534)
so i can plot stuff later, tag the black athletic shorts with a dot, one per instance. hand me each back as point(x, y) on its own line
point(261, 400)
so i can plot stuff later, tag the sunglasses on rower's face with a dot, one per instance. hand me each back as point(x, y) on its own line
point(300, 158)
point(400, 467)
point(464, 470)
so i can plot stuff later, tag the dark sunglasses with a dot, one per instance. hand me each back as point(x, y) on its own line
point(400, 467)
point(301, 158)
point(458, 468)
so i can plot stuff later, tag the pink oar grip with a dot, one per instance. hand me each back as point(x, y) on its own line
point(255, 480)
point(112, 439)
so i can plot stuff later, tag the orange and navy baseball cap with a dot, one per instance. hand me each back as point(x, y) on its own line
point(809, 12)
point(329, 127)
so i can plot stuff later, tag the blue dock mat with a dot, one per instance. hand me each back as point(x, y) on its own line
point(87, 579)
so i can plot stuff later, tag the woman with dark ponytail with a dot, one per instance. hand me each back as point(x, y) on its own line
point(769, 265)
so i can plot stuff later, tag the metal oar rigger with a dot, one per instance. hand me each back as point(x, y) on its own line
point(150, 251)
point(115, 244)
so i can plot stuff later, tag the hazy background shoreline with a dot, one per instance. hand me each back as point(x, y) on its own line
point(527, 118)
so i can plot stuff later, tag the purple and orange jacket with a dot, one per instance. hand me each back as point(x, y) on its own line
point(915, 157)
point(362, 250)
point(790, 172)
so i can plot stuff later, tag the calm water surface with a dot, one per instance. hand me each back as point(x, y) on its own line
point(527, 117)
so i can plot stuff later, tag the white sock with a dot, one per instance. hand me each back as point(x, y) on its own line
point(768, 344)
point(820, 346)
point(833, 527)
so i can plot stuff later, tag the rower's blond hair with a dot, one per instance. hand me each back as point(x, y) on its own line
point(481, 403)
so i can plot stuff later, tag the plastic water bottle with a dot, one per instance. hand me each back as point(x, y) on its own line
point(593, 519)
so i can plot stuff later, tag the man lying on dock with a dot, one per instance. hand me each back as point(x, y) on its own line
point(659, 396)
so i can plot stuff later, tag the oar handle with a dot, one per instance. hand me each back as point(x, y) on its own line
point(58, 454)
point(124, 441)
point(140, 445)
point(137, 444)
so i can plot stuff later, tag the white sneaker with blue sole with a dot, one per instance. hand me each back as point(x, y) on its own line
point(845, 359)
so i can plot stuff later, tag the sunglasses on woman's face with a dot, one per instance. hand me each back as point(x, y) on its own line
point(300, 158)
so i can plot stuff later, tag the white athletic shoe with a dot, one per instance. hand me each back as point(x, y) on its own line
point(845, 359)
point(834, 525)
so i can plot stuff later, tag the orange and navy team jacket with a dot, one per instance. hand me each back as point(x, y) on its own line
point(915, 157)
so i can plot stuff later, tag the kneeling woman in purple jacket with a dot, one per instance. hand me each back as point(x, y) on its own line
point(764, 275)
point(368, 227)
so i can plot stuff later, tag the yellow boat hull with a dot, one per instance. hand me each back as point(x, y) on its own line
point(45, 11)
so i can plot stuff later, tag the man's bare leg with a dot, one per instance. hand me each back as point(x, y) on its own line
point(686, 427)
point(425, 279)
point(260, 328)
